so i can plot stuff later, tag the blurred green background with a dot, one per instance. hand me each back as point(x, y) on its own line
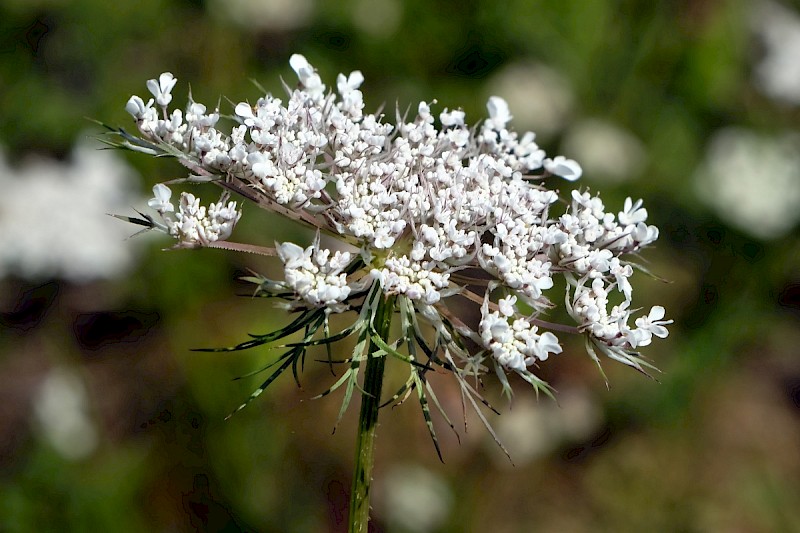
point(109, 423)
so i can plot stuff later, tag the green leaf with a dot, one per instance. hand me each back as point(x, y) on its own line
point(468, 393)
point(593, 355)
point(404, 390)
point(263, 386)
point(389, 350)
point(538, 384)
point(258, 340)
point(629, 358)
point(643, 269)
point(426, 414)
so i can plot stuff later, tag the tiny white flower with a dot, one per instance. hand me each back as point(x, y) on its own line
point(507, 305)
point(452, 118)
point(499, 114)
point(350, 83)
point(162, 88)
point(632, 212)
point(307, 74)
point(548, 343)
point(653, 322)
point(561, 166)
point(644, 234)
point(137, 107)
point(160, 201)
point(291, 254)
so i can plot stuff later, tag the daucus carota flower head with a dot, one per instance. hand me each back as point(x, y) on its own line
point(431, 209)
point(194, 225)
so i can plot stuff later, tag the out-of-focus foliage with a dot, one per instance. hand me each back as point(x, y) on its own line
point(109, 422)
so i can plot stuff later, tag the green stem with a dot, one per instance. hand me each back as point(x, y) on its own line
point(368, 420)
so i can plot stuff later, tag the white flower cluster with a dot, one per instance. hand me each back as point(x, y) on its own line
point(193, 224)
point(315, 275)
point(415, 280)
point(518, 345)
point(590, 308)
point(435, 210)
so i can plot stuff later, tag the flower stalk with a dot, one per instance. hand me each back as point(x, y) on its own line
point(368, 419)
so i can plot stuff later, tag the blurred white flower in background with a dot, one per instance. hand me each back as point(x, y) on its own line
point(53, 220)
point(533, 428)
point(414, 499)
point(265, 14)
point(607, 152)
point(778, 70)
point(62, 412)
point(753, 180)
point(539, 95)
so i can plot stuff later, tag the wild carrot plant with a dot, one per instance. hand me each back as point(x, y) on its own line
point(430, 215)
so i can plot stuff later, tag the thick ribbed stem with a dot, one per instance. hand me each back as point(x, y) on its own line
point(368, 421)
